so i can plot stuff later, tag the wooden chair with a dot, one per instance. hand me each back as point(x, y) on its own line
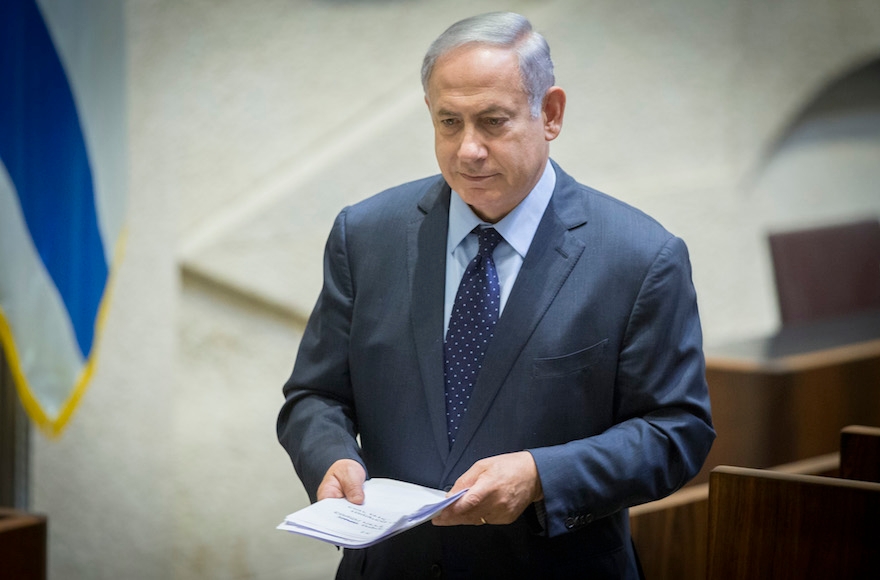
point(828, 271)
point(860, 453)
point(770, 525)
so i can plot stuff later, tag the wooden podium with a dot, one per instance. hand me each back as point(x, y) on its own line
point(785, 398)
point(22, 545)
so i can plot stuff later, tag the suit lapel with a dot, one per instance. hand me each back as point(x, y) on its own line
point(426, 253)
point(551, 258)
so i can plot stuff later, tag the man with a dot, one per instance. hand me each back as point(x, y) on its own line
point(586, 394)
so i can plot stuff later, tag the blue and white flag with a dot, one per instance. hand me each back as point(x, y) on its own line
point(63, 183)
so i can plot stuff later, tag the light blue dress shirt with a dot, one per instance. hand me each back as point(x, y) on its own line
point(517, 228)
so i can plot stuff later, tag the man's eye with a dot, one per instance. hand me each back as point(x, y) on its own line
point(447, 122)
point(494, 121)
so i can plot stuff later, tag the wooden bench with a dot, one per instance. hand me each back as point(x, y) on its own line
point(671, 534)
point(764, 524)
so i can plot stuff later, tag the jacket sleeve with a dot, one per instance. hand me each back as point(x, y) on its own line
point(317, 424)
point(663, 427)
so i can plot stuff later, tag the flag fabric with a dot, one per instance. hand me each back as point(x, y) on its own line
point(63, 182)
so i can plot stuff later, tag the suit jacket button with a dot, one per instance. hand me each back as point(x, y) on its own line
point(588, 518)
point(436, 571)
point(570, 522)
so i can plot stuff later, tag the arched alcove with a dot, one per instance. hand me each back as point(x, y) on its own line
point(825, 165)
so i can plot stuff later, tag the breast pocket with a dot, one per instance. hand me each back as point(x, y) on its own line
point(558, 366)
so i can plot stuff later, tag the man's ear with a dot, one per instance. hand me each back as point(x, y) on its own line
point(553, 111)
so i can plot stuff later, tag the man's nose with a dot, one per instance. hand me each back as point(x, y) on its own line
point(472, 147)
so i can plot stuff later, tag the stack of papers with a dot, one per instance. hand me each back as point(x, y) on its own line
point(389, 507)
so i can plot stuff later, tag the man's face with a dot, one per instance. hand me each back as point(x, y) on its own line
point(489, 148)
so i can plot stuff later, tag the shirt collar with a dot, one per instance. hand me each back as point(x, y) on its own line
point(517, 228)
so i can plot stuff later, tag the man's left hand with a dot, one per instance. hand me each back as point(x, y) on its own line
point(500, 488)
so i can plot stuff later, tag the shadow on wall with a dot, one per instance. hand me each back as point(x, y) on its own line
point(823, 166)
point(847, 108)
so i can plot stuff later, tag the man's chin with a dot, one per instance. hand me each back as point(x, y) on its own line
point(487, 211)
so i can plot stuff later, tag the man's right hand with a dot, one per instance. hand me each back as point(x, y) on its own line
point(344, 479)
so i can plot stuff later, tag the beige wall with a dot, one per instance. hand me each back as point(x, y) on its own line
point(253, 123)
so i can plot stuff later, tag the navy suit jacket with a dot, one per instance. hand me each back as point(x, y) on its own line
point(596, 368)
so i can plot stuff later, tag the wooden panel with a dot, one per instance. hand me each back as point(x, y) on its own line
point(776, 526)
point(22, 545)
point(860, 453)
point(770, 414)
point(671, 534)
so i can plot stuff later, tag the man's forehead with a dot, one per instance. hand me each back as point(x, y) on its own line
point(476, 87)
point(475, 63)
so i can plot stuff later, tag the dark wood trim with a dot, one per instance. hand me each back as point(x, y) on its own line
point(14, 443)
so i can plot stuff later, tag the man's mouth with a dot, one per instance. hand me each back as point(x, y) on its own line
point(471, 177)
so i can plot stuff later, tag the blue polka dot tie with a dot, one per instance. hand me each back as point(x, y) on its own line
point(471, 327)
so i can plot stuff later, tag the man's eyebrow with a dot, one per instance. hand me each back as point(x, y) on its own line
point(490, 110)
point(494, 110)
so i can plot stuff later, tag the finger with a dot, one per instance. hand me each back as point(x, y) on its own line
point(466, 510)
point(467, 479)
point(448, 518)
point(344, 479)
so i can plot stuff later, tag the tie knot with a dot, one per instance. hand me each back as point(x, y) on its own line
point(489, 238)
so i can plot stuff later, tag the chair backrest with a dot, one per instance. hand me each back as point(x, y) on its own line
point(827, 271)
point(770, 525)
point(860, 453)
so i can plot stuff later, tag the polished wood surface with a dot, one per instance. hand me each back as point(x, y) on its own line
point(671, 535)
point(860, 453)
point(803, 346)
point(22, 545)
point(770, 525)
point(786, 397)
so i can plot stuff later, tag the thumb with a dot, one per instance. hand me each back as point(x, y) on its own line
point(351, 480)
point(353, 490)
point(344, 479)
point(467, 479)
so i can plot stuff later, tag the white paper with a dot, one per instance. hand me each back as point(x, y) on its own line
point(389, 507)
